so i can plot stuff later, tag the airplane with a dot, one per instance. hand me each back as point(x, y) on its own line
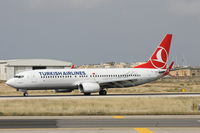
point(89, 81)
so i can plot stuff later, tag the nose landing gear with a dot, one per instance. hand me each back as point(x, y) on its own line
point(25, 94)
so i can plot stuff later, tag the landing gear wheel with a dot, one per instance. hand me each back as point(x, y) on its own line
point(102, 92)
point(87, 94)
point(25, 94)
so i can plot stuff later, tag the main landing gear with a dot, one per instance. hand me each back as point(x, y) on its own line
point(87, 94)
point(102, 92)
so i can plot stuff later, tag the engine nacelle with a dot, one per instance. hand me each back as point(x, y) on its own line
point(89, 87)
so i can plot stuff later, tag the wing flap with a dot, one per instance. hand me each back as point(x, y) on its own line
point(119, 84)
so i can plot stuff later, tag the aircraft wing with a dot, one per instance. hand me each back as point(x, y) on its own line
point(120, 83)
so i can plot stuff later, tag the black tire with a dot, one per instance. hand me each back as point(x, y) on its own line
point(25, 94)
point(102, 92)
point(87, 94)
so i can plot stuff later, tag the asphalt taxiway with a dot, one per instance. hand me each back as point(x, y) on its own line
point(100, 122)
point(105, 130)
point(83, 124)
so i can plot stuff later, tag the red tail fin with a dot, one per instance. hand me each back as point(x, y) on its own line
point(160, 56)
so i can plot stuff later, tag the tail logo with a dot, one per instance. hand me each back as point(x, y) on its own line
point(159, 58)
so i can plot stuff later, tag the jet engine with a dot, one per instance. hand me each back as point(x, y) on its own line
point(89, 87)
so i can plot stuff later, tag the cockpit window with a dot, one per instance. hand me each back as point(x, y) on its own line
point(19, 76)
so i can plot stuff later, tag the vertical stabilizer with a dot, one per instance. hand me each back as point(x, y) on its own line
point(159, 58)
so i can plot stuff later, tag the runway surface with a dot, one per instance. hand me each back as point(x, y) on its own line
point(101, 124)
point(147, 95)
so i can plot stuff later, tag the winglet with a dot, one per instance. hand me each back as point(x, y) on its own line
point(169, 69)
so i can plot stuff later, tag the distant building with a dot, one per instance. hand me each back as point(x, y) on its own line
point(186, 72)
point(111, 65)
point(8, 68)
point(107, 65)
point(136, 64)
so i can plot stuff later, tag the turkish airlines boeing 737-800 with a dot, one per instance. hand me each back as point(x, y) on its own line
point(96, 80)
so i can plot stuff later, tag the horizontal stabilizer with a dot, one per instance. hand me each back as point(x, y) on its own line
point(169, 69)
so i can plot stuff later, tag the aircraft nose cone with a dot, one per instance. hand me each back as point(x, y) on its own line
point(10, 82)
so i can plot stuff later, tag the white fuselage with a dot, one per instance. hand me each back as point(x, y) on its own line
point(69, 79)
